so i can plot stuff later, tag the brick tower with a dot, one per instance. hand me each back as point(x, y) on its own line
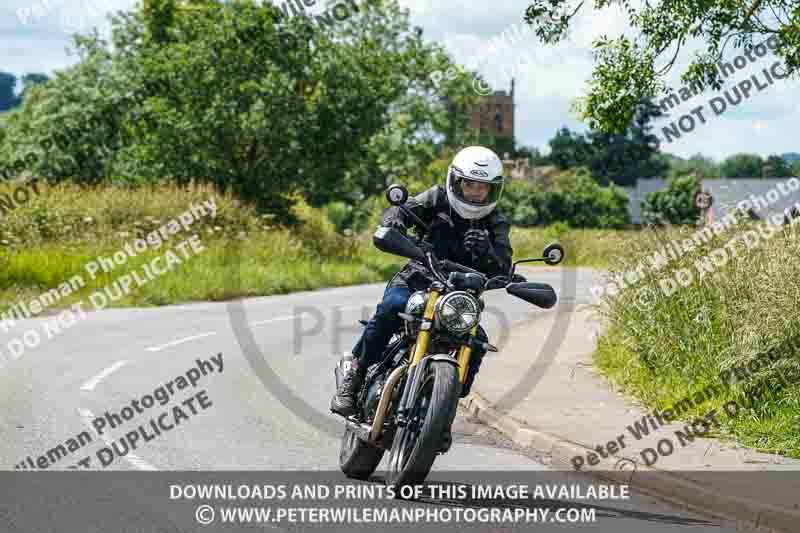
point(494, 114)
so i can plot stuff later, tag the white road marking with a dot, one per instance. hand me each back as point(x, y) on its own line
point(87, 416)
point(278, 319)
point(180, 341)
point(92, 383)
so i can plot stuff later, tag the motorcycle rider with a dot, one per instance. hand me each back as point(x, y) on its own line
point(465, 228)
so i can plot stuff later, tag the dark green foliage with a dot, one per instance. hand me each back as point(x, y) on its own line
point(698, 165)
point(568, 149)
point(674, 205)
point(224, 94)
point(8, 99)
point(742, 166)
point(776, 167)
point(624, 158)
point(576, 199)
point(613, 158)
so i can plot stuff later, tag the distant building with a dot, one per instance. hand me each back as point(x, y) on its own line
point(494, 114)
point(766, 196)
point(521, 169)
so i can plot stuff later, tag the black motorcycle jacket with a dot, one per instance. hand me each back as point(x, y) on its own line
point(448, 229)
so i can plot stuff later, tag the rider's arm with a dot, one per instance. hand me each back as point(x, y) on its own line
point(497, 260)
point(421, 205)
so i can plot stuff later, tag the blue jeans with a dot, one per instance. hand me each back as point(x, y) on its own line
point(385, 322)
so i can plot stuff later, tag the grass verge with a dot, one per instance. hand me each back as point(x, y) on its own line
point(53, 235)
point(738, 303)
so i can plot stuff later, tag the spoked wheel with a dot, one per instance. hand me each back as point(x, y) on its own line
point(415, 445)
point(358, 459)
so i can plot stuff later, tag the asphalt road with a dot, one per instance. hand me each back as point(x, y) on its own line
point(55, 391)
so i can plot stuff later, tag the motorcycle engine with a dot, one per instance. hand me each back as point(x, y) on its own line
point(373, 396)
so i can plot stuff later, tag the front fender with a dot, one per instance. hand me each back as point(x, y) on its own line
point(419, 370)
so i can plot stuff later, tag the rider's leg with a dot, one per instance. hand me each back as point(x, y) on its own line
point(381, 326)
point(370, 346)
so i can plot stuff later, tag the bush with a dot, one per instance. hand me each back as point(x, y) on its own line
point(575, 199)
point(674, 205)
point(318, 234)
point(68, 214)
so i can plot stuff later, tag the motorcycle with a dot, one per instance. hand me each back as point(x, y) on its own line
point(409, 399)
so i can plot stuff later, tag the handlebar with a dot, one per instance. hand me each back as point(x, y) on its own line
point(435, 266)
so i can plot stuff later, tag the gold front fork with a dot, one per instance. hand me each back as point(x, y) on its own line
point(463, 358)
point(424, 336)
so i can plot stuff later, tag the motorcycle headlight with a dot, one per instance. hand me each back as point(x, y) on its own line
point(416, 304)
point(457, 312)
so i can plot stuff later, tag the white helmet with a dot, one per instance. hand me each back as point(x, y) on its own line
point(475, 163)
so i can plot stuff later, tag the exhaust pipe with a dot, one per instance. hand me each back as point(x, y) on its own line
point(383, 404)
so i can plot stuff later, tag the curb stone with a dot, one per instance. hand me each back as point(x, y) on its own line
point(750, 515)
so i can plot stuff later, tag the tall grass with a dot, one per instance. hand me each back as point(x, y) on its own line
point(662, 347)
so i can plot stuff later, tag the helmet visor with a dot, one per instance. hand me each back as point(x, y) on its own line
point(475, 192)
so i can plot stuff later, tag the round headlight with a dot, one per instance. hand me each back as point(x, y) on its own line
point(416, 304)
point(457, 312)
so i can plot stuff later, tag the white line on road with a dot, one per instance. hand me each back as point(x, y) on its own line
point(257, 323)
point(180, 341)
point(92, 383)
point(87, 416)
point(278, 319)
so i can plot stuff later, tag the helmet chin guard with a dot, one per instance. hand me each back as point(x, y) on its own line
point(471, 166)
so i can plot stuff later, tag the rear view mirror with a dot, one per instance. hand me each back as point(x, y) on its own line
point(396, 194)
point(539, 294)
point(553, 254)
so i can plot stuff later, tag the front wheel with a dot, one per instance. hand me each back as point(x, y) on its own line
point(358, 459)
point(415, 445)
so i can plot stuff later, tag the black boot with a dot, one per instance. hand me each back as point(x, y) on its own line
point(344, 401)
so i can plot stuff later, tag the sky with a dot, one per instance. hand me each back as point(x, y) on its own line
point(492, 37)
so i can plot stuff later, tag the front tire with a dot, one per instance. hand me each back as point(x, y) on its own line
point(358, 459)
point(415, 445)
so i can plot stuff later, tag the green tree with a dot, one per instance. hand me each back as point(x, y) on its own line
point(742, 166)
point(673, 205)
point(796, 169)
point(29, 81)
point(575, 199)
point(625, 67)
point(698, 164)
point(776, 167)
point(532, 154)
point(568, 149)
point(232, 97)
point(8, 99)
point(702, 166)
point(625, 157)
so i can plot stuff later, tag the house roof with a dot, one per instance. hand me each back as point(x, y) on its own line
point(765, 195)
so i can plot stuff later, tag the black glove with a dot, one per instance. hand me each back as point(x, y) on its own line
point(476, 241)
